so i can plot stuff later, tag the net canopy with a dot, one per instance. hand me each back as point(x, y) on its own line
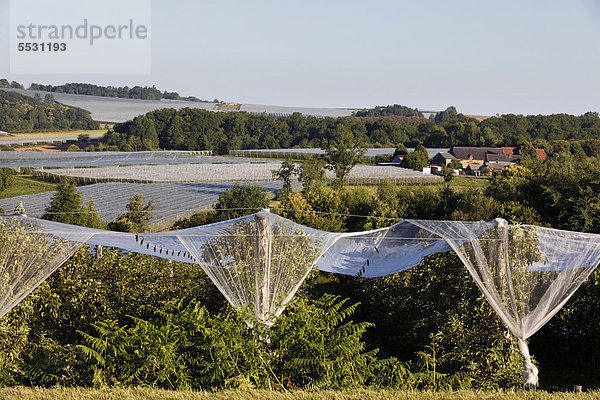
point(28, 255)
point(258, 262)
point(382, 251)
point(527, 273)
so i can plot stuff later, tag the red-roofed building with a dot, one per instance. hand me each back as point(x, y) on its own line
point(541, 154)
point(510, 152)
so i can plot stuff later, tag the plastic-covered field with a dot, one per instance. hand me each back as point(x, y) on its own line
point(112, 109)
point(230, 172)
point(283, 153)
point(170, 199)
point(16, 159)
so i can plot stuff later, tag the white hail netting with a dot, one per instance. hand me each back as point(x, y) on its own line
point(257, 262)
point(381, 252)
point(527, 273)
point(28, 255)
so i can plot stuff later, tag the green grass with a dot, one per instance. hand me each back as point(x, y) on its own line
point(27, 185)
point(469, 182)
point(155, 394)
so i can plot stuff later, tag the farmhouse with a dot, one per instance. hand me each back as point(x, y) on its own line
point(443, 158)
point(474, 155)
point(474, 159)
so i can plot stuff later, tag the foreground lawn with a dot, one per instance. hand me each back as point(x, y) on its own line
point(155, 394)
point(26, 185)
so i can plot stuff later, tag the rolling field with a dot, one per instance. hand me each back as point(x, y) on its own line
point(112, 109)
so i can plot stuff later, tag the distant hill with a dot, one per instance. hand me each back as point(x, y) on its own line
point(115, 110)
point(20, 113)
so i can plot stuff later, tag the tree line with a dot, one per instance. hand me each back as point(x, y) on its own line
point(125, 92)
point(20, 113)
point(4, 83)
point(193, 129)
point(385, 111)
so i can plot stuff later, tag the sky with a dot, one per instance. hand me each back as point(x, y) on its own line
point(483, 57)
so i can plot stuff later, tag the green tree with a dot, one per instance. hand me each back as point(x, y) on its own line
point(285, 174)
point(239, 201)
point(343, 152)
point(136, 218)
point(455, 164)
point(7, 178)
point(400, 150)
point(448, 114)
point(527, 151)
point(174, 137)
point(312, 173)
point(93, 219)
point(417, 159)
point(67, 206)
point(143, 127)
point(447, 173)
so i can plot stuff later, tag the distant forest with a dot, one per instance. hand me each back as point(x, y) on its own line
point(4, 83)
point(20, 113)
point(385, 111)
point(192, 129)
point(136, 92)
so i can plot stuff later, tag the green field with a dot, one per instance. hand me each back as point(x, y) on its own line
point(25, 184)
point(156, 394)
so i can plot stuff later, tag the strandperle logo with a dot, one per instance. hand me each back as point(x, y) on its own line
point(85, 31)
point(80, 37)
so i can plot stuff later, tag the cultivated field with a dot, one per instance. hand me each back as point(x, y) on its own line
point(111, 109)
point(12, 159)
point(170, 199)
point(360, 174)
point(302, 153)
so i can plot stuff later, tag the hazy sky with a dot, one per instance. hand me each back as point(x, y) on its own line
point(484, 57)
